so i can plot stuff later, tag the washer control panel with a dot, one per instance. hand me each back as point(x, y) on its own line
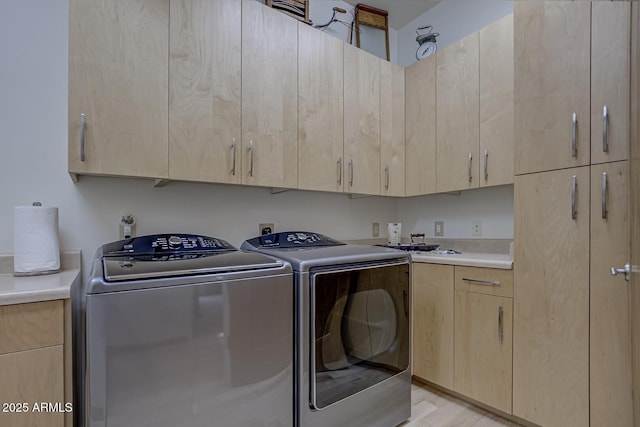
point(166, 244)
point(293, 239)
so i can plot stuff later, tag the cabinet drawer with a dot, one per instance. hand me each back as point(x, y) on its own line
point(488, 281)
point(32, 325)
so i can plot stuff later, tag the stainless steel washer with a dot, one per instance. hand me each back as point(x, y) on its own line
point(352, 329)
point(184, 330)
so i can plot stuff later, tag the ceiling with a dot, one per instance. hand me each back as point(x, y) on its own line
point(401, 12)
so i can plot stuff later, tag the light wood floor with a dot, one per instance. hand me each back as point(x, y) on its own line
point(433, 408)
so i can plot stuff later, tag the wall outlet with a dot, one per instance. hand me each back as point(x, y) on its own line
point(266, 228)
point(439, 228)
point(476, 228)
point(375, 229)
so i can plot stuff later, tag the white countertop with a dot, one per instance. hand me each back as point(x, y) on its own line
point(19, 290)
point(469, 259)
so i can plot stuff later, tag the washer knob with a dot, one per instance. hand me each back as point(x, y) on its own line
point(174, 241)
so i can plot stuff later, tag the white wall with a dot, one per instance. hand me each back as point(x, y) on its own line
point(453, 19)
point(320, 12)
point(493, 206)
point(33, 161)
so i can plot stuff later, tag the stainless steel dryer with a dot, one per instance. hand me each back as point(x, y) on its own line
point(352, 329)
point(184, 330)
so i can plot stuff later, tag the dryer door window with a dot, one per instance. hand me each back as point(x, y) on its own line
point(360, 330)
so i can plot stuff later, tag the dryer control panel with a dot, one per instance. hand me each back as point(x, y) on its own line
point(157, 244)
point(293, 239)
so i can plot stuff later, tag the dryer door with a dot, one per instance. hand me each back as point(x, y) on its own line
point(360, 329)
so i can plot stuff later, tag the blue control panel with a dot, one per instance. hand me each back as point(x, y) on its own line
point(293, 239)
point(157, 244)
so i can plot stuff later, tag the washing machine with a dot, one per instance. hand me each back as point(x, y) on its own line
point(184, 330)
point(352, 329)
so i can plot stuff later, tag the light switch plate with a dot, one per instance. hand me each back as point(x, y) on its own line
point(375, 229)
point(439, 229)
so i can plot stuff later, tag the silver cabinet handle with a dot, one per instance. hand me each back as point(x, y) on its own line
point(82, 126)
point(626, 271)
point(340, 171)
point(605, 120)
point(604, 195)
point(470, 161)
point(574, 185)
point(351, 173)
point(574, 135)
point(482, 282)
point(500, 329)
point(386, 177)
point(233, 156)
point(251, 158)
point(486, 164)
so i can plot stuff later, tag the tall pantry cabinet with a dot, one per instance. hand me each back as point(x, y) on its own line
point(571, 355)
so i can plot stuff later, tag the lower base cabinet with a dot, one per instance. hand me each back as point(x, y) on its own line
point(482, 348)
point(462, 331)
point(32, 365)
point(432, 289)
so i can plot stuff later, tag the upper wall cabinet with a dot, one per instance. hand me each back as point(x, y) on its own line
point(118, 86)
point(361, 121)
point(320, 110)
point(610, 80)
point(269, 97)
point(552, 112)
point(458, 115)
point(496, 103)
point(392, 133)
point(204, 91)
point(420, 127)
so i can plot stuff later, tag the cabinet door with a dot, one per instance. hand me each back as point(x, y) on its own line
point(118, 79)
point(482, 363)
point(392, 116)
point(361, 121)
point(496, 103)
point(33, 377)
point(551, 298)
point(610, 348)
point(610, 80)
point(420, 127)
point(269, 97)
point(433, 323)
point(204, 91)
point(320, 110)
point(457, 114)
point(552, 46)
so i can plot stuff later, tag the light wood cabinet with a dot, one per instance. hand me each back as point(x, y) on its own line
point(361, 121)
point(610, 334)
point(433, 293)
point(610, 80)
point(482, 348)
point(551, 303)
point(32, 362)
point(392, 132)
point(269, 97)
point(496, 103)
point(457, 115)
point(204, 91)
point(420, 127)
point(118, 88)
point(552, 51)
point(320, 110)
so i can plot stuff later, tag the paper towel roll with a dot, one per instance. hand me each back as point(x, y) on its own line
point(35, 243)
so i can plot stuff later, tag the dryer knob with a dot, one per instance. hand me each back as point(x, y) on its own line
point(174, 241)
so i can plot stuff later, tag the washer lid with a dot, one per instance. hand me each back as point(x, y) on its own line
point(136, 267)
point(170, 255)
